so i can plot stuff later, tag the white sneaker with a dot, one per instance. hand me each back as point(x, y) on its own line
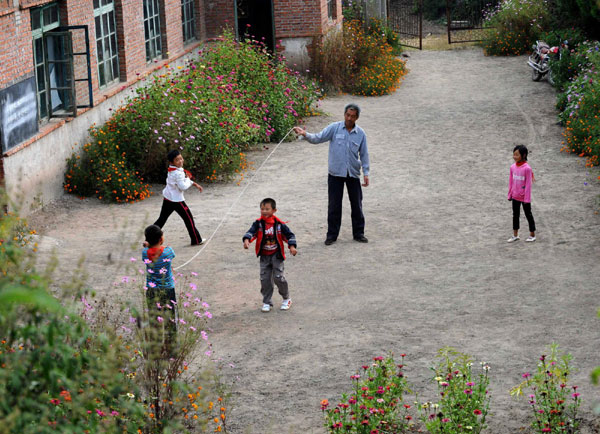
point(513, 239)
point(530, 239)
point(286, 304)
point(266, 307)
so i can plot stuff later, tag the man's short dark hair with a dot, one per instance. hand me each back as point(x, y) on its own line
point(352, 106)
point(269, 201)
point(153, 234)
point(173, 154)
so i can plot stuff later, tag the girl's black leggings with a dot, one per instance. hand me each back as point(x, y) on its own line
point(516, 206)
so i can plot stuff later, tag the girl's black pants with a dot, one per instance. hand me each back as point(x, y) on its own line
point(516, 207)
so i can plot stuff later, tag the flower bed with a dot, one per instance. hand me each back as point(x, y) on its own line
point(233, 96)
point(360, 61)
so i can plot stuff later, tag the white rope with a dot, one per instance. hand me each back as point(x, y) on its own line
point(233, 204)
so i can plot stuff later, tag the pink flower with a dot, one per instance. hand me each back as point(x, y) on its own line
point(152, 284)
point(526, 375)
point(159, 319)
point(208, 314)
point(132, 259)
point(100, 412)
point(114, 413)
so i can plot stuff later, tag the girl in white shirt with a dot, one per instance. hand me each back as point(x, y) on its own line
point(178, 180)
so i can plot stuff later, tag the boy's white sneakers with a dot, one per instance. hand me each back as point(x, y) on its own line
point(286, 304)
point(266, 307)
point(513, 239)
point(530, 239)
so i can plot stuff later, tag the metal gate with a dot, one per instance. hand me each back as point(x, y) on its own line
point(405, 17)
point(465, 19)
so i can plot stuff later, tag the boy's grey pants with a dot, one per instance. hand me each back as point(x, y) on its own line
point(271, 270)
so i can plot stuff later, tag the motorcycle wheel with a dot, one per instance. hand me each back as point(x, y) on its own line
point(535, 75)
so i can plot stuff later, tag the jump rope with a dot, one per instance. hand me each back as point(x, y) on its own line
point(233, 204)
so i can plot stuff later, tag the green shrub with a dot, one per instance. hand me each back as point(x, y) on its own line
point(359, 61)
point(581, 105)
point(234, 95)
point(464, 402)
point(56, 375)
point(376, 404)
point(514, 27)
point(380, 78)
point(553, 402)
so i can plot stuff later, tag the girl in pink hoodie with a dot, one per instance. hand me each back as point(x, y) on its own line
point(519, 192)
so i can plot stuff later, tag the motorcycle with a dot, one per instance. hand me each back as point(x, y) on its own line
point(540, 60)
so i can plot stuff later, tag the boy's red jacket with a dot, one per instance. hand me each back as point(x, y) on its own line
point(282, 233)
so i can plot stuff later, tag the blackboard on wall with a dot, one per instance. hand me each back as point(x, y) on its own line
point(18, 113)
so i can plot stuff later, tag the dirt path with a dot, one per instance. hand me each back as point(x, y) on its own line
point(437, 270)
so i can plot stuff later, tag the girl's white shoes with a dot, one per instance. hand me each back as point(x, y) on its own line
point(529, 239)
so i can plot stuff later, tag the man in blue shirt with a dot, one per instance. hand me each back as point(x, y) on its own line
point(347, 154)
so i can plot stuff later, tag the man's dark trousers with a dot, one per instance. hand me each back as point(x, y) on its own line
point(334, 211)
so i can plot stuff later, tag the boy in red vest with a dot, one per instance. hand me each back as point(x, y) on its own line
point(270, 234)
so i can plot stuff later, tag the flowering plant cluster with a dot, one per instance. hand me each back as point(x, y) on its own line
point(233, 95)
point(360, 61)
point(464, 398)
point(56, 374)
point(513, 26)
point(580, 105)
point(168, 356)
point(553, 402)
point(375, 406)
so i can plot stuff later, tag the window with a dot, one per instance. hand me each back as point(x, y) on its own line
point(188, 20)
point(331, 12)
point(44, 19)
point(106, 42)
point(152, 29)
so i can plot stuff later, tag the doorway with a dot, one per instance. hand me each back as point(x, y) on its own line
point(255, 21)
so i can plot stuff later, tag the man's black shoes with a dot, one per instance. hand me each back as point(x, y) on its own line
point(361, 239)
point(329, 242)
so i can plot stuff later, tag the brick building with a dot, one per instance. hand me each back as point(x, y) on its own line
point(65, 63)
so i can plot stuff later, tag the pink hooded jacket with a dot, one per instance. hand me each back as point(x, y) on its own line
point(519, 183)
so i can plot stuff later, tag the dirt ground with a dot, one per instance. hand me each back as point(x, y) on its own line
point(437, 269)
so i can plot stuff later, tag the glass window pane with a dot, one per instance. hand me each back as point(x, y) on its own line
point(53, 14)
point(40, 73)
point(105, 24)
point(115, 67)
point(99, 51)
point(101, 76)
point(43, 108)
point(111, 21)
point(113, 44)
point(98, 27)
point(36, 19)
point(96, 4)
point(46, 16)
point(39, 51)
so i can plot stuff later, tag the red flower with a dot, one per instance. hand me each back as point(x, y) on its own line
point(476, 412)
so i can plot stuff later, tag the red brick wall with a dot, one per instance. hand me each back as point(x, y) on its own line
point(219, 14)
point(16, 49)
point(298, 18)
point(130, 34)
point(172, 29)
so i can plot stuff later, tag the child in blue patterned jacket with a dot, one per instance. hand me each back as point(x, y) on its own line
point(270, 234)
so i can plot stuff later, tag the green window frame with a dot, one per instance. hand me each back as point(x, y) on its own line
point(107, 52)
point(43, 19)
point(152, 33)
point(188, 18)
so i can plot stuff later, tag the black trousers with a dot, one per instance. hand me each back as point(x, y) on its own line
point(186, 215)
point(516, 207)
point(335, 186)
